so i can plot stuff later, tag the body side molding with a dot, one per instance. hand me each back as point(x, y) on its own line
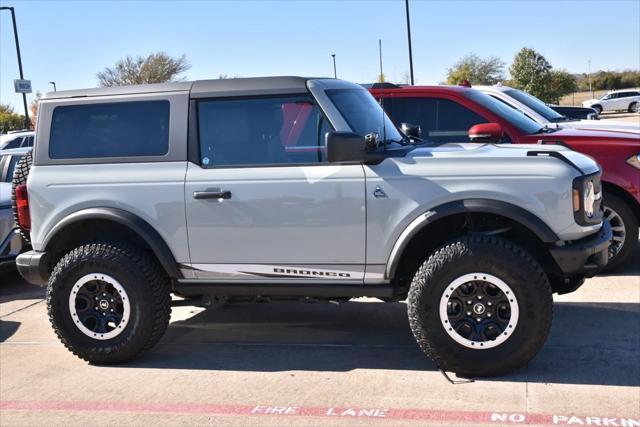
point(129, 220)
point(513, 212)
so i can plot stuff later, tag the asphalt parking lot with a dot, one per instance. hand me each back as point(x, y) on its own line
point(322, 364)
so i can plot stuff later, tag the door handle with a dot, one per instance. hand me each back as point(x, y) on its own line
point(221, 194)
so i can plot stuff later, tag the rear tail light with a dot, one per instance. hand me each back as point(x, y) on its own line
point(22, 205)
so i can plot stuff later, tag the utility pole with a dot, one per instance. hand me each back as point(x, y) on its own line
point(15, 35)
point(406, 3)
point(590, 89)
point(335, 73)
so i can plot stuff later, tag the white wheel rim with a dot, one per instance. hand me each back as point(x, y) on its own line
point(487, 308)
point(104, 308)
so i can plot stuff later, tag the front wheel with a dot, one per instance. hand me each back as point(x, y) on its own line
point(624, 226)
point(480, 306)
point(107, 302)
point(598, 109)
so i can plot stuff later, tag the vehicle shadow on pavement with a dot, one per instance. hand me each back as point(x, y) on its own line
point(590, 343)
point(13, 288)
point(7, 329)
point(630, 268)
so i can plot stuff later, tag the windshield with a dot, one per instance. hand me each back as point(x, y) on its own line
point(363, 114)
point(536, 105)
point(516, 118)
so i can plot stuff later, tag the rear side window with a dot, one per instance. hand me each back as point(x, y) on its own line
point(12, 167)
point(119, 129)
point(15, 143)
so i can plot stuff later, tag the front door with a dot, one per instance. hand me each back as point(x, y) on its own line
point(263, 203)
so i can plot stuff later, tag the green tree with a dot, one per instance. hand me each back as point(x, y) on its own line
point(561, 83)
point(478, 71)
point(154, 68)
point(531, 72)
point(9, 120)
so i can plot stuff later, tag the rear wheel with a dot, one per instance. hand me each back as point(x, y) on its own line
point(108, 303)
point(633, 107)
point(624, 226)
point(480, 306)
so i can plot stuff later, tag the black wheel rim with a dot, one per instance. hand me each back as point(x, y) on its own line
point(99, 306)
point(479, 310)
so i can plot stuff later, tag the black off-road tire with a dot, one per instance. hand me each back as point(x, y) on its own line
point(633, 107)
point(20, 175)
point(630, 222)
point(500, 258)
point(147, 287)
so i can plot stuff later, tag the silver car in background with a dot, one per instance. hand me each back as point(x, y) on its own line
point(11, 242)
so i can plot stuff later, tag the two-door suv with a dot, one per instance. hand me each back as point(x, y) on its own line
point(288, 187)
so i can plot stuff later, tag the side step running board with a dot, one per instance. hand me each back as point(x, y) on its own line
point(304, 288)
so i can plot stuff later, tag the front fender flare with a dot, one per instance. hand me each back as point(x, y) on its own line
point(507, 210)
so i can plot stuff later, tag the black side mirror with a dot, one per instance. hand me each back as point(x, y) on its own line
point(345, 147)
point(412, 131)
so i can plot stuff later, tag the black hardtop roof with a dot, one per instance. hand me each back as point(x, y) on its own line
point(199, 88)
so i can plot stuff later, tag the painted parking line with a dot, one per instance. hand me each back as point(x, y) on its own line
point(423, 415)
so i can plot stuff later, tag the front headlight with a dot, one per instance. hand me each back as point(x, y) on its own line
point(634, 161)
point(587, 199)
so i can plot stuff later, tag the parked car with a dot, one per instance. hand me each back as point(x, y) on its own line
point(17, 139)
point(446, 113)
point(297, 188)
point(11, 242)
point(617, 100)
point(541, 113)
point(575, 113)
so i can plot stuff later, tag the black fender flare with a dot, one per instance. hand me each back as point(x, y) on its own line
point(134, 223)
point(507, 210)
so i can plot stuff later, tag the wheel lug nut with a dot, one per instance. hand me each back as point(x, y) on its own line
point(488, 314)
point(111, 300)
point(104, 314)
point(112, 311)
point(469, 302)
point(468, 313)
point(104, 295)
point(489, 303)
point(479, 296)
point(478, 319)
point(95, 298)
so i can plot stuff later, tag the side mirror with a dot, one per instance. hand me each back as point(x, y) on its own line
point(486, 132)
point(412, 131)
point(345, 147)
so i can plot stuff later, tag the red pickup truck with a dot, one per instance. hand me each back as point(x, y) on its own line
point(463, 114)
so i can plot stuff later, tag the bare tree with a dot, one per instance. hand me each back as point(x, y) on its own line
point(154, 68)
point(476, 70)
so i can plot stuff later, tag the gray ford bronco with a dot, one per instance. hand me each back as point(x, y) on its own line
point(297, 188)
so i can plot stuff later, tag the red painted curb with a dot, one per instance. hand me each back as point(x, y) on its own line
point(484, 417)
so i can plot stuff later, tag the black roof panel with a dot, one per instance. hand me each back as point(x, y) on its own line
point(248, 87)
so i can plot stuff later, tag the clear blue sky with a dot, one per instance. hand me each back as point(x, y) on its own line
point(70, 41)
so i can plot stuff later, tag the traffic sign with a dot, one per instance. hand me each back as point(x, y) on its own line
point(22, 86)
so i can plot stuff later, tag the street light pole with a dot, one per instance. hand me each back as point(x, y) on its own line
point(15, 34)
point(335, 73)
point(54, 86)
point(590, 90)
point(406, 3)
